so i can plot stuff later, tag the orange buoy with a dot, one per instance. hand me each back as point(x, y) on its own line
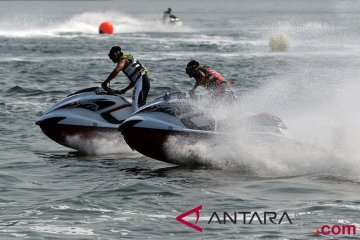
point(106, 28)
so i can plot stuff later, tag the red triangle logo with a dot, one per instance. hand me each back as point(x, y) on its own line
point(196, 210)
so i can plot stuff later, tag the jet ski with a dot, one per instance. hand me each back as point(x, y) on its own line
point(172, 20)
point(174, 115)
point(86, 114)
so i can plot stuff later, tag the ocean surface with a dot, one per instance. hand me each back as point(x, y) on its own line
point(50, 49)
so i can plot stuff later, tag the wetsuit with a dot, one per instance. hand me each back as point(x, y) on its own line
point(167, 15)
point(138, 75)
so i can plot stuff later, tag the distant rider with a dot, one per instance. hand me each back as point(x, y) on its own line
point(167, 15)
point(209, 79)
point(136, 73)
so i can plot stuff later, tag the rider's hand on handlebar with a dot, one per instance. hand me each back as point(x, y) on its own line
point(104, 85)
point(122, 91)
point(110, 91)
point(119, 92)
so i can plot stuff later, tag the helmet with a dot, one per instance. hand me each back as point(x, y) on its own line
point(192, 64)
point(115, 53)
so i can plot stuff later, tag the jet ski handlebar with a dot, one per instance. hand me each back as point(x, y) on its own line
point(110, 91)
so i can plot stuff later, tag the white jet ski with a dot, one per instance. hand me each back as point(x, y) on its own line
point(86, 114)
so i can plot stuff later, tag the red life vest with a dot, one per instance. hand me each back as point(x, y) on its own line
point(211, 73)
point(213, 82)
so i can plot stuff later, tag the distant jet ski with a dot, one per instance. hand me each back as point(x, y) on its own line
point(170, 19)
point(87, 114)
point(174, 115)
point(173, 20)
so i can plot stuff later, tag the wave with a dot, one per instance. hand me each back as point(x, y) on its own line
point(23, 91)
point(85, 24)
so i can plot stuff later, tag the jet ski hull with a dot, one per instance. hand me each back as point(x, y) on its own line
point(69, 136)
point(155, 129)
point(89, 114)
point(152, 142)
point(175, 129)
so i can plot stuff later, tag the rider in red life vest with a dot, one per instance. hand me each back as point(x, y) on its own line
point(207, 78)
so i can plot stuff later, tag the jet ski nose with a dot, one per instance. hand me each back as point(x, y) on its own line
point(128, 124)
point(48, 121)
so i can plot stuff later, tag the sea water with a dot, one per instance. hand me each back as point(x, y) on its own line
point(50, 49)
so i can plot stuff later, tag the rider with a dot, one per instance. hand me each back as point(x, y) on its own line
point(207, 78)
point(167, 15)
point(136, 73)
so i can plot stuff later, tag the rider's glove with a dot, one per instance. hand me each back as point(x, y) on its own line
point(119, 92)
point(110, 91)
point(122, 91)
point(104, 85)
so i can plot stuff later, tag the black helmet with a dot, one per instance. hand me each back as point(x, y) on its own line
point(191, 66)
point(115, 52)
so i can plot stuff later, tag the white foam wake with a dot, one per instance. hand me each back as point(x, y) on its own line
point(83, 24)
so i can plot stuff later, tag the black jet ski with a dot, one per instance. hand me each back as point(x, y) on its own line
point(175, 115)
point(171, 19)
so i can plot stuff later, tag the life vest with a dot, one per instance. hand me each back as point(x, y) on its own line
point(212, 77)
point(213, 82)
point(135, 69)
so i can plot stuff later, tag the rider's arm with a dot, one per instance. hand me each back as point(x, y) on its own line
point(130, 86)
point(200, 76)
point(119, 67)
